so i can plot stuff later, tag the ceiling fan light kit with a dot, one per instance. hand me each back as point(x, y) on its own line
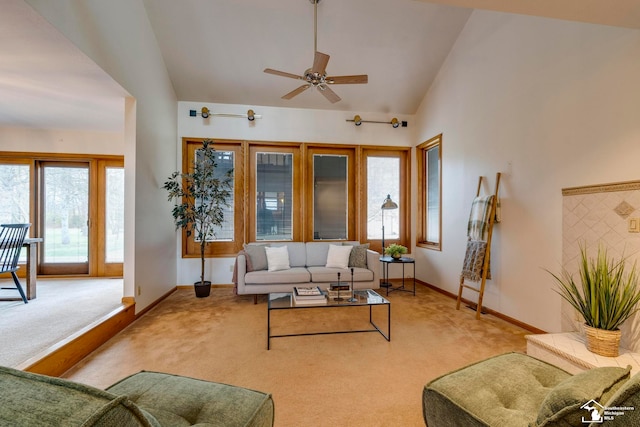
point(316, 76)
point(205, 113)
point(395, 123)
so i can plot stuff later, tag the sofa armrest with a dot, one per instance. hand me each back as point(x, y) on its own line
point(373, 264)
point(241, 270)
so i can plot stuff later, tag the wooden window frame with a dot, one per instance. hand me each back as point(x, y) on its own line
point(421, 235)
point(190, 248)
point(403, 153)
point(96, 164)
point(352, 178)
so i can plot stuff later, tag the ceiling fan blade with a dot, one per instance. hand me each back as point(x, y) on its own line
point(282, 74)
point(329, 94)
point(320, 62)
point(342, 80)
point(296, 92)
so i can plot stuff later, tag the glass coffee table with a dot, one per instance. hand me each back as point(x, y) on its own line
point(363, 298)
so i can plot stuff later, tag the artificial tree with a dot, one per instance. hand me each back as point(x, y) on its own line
point(200, 196)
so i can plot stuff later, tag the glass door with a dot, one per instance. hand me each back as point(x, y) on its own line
point(64, 218)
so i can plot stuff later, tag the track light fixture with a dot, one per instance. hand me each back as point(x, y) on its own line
point(205, 113)
point(357, 120)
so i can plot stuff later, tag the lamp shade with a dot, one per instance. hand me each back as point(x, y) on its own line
point(389, 204)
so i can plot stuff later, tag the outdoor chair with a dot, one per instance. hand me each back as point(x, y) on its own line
point(11, 240)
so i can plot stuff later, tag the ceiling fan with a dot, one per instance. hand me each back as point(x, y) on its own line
point(316, 76)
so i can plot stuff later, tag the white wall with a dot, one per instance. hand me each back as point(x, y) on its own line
point(118, 37)
point(549, 103)
point(61, 141)
point(278, 124)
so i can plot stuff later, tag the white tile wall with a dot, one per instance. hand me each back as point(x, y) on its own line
point(600, 216)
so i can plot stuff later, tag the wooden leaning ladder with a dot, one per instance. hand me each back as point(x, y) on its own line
point(487, 256)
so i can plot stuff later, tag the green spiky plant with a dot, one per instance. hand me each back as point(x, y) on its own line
point(607, 295)
point(200, 197)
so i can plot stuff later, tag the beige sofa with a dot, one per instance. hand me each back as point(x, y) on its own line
point(307, 267)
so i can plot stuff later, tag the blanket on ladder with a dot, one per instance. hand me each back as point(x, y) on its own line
point(474, 260)
point(479, 218)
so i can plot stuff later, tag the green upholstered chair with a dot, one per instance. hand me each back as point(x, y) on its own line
point(149, 399)
point(514, 389)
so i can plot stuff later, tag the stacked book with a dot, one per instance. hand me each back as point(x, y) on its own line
point(303, 295)
point(339, 290)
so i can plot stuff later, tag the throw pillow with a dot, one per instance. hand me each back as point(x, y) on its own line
point(358, 256)
point(257, 256)
point(338, 256)
point(564, 403)
point(277, 258)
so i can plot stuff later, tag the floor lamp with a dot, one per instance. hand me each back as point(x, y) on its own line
point(387, 205)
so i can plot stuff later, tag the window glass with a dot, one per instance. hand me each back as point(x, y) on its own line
point(14, 184)
point(274, 196)
point(114, 214)
point(433, 193)
point(66, 214)
point(383, 178)
point(225, 232)
point(330, 197)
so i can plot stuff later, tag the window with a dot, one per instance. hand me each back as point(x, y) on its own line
point(429, 155)
point(386, 173)
point(227, 239)
point(114, 214)
point(15, 186)
point(274, 212)
point(330, 192)
point(330, 197)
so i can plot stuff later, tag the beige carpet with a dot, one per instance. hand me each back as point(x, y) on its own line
point(61, 309)
point(323, 380)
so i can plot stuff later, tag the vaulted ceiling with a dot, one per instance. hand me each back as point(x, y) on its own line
point(216, 51)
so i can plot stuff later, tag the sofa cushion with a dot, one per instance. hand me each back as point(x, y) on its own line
point(330, 275)
point(257, 255)
point(563, 404)
point(358, 256)
point(37, 400)
point(338, 256)
point(277, 258)
point(180, 401)
point(292, 275)
point(627, 400)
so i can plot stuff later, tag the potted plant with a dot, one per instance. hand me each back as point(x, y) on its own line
point(605, 298)
point(200, 196)
point(395, 251)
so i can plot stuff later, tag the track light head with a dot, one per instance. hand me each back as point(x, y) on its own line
point(395, 123)
point(251, 115)
point(357, 120)
point(204, 112)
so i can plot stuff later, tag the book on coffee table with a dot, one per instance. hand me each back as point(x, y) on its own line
point(307, 292)
point(307, 299)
